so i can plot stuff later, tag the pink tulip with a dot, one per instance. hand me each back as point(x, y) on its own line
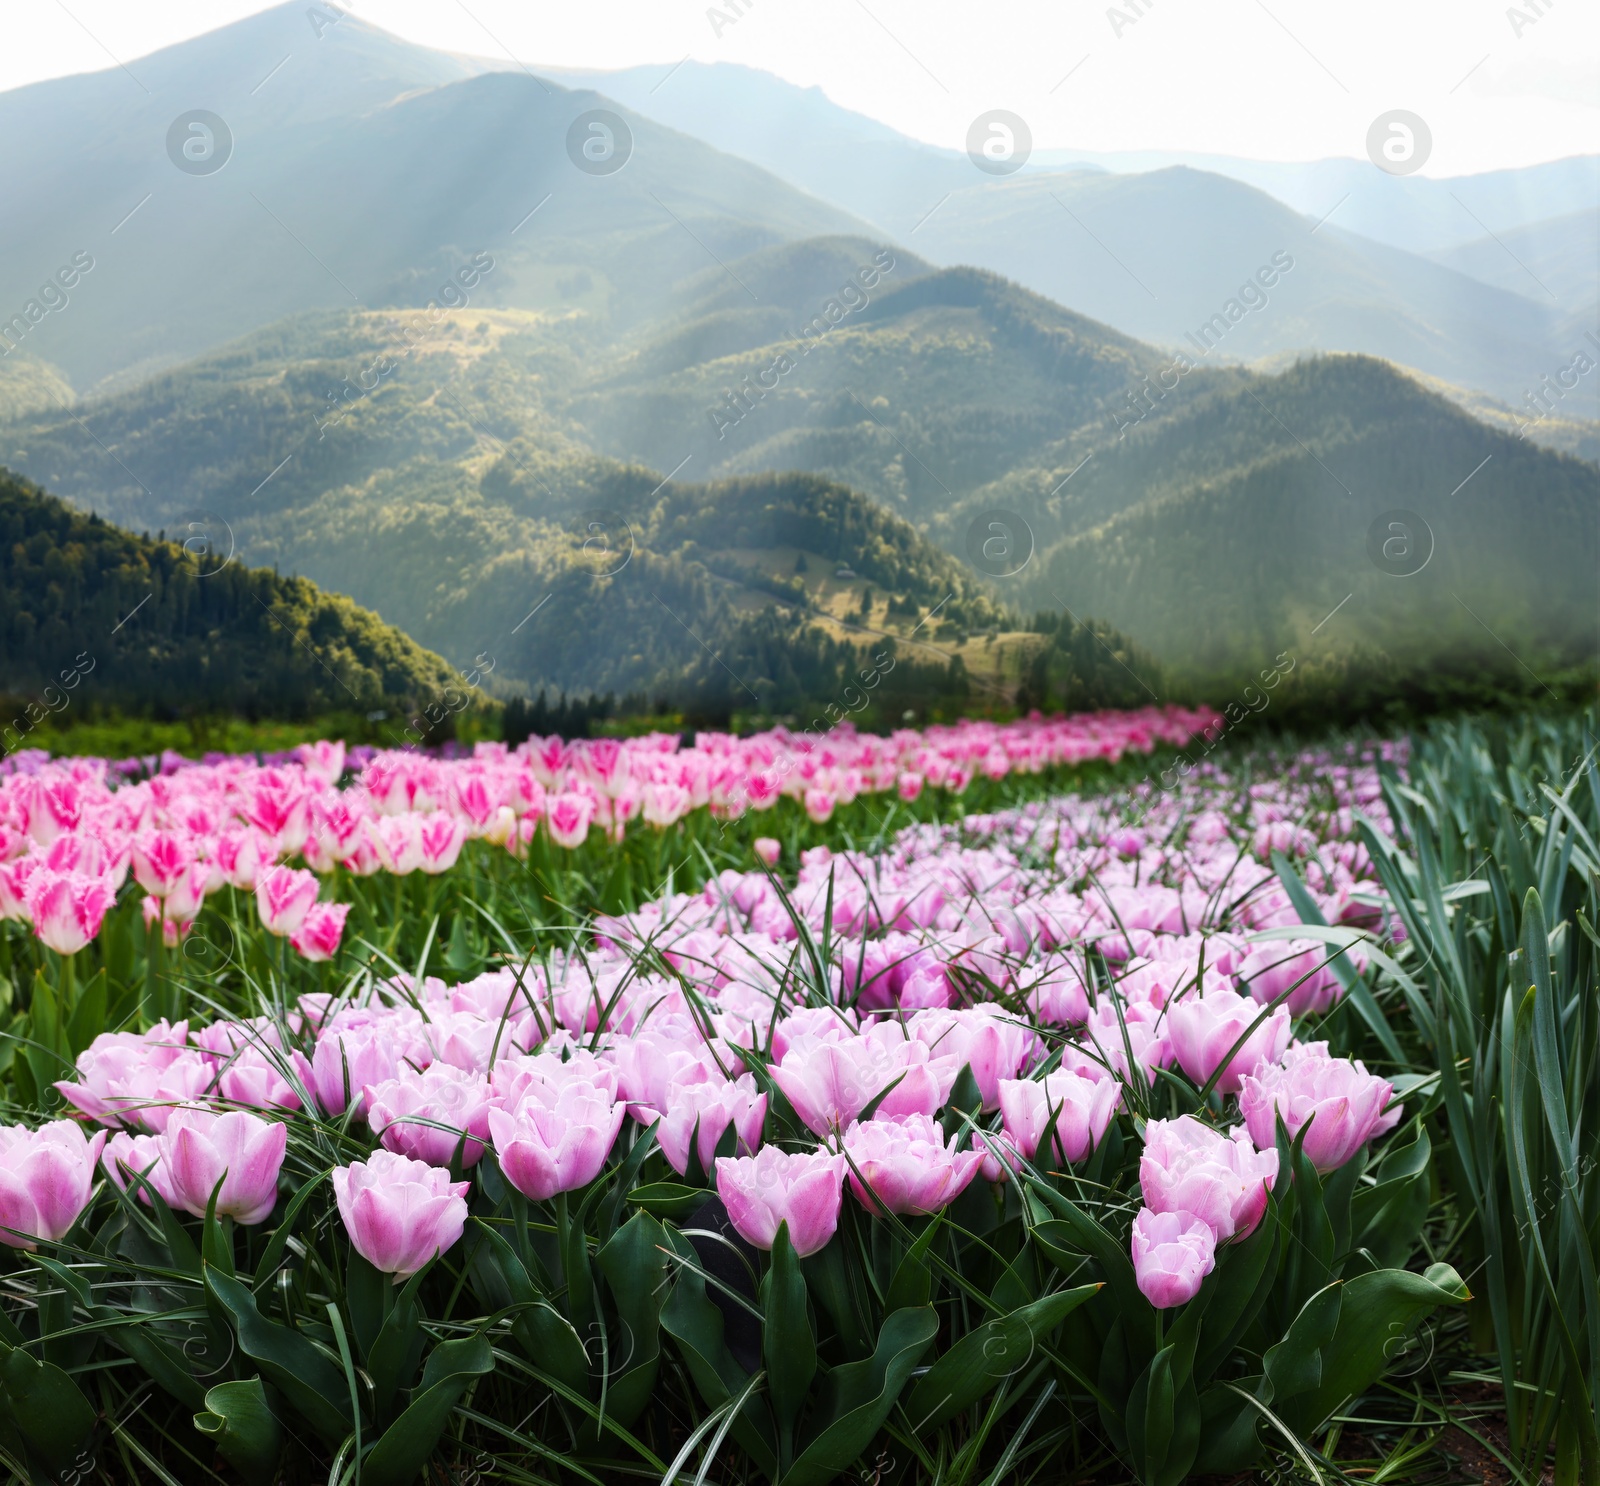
point(662, 804)
point(173, 930)
point(136, 1079)
point(1271, 969)
point(46, 1176)
point(1203, 1028)
point(1055, 992)
point(346, 1063)
point(160, 858)
point(713, 1107)
point(397, 840)
point(284, 897)
point(1222, 1180)
point(240, 1150)
point(767, 850)
point(994, 1044)
point(830, 1083)
point(14, 879)
point(802, 1189)
point(440, 837)
point(407, 1113)
point(240, 856)
point(1108, 1038)
point(1080, 1106)
point(55, 808)
point(604, 761)
point(141, 1155)
point(819, 805)
point(906, 1165)
point(323, 760)
point(1172, 1254)
point(557, 1146)
point(567, 816)
point(400, 1214)
point(1344, 1104)
point(925, 989)
point(318, 936)
point(67, 908)
point(187, 893)
point(277, 804)
point(475, 801)
point(252, 1079)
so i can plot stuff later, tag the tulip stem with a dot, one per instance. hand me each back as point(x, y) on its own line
point(65, 987)
point(574, 1265)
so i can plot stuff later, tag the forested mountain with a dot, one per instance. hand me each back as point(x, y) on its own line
point(178, 627)
point(1231, 530)
point(615, 427)
point(455, 496)
point(364, 171)
point(719, 600)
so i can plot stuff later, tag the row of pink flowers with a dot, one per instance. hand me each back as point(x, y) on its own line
point(957, 948)
point(69, 837)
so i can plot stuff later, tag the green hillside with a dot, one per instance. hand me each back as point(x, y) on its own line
point(1227, 531)
point(456, 497)
point(155, 626)
point(940, 384)
point(1203, 512)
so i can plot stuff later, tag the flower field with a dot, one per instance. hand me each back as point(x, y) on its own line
point(984, 1105)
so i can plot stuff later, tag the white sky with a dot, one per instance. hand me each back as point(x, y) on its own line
point(1267, 79)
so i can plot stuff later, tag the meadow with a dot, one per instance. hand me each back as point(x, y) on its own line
point(1068, 1098)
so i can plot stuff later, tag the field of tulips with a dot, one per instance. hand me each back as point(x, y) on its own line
point(969, 1106)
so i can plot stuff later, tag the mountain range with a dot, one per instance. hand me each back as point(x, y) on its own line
point(705, 423)
point(1485, 280)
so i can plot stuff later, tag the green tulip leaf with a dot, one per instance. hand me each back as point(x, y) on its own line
point(667, 1199)
point(1242, 1282)
point(787, 1344)
point(1374, 1320)
point(452, 1367)
point(395, 1352)
point(998, 1349)
point(306, 1376)
point(553, 1345)
point(633, 1263)
point(47, 1407)
point(1294, 1365)
point(1163, 1422)
point(695, 1324)
point(241, 1424)
point(859, 1396)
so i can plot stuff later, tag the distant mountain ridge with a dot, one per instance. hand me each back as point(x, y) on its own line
point(1154, 243)
point(364, 172)
point(454, 498)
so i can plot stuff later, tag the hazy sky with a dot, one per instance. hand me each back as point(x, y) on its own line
point(1499, 84)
